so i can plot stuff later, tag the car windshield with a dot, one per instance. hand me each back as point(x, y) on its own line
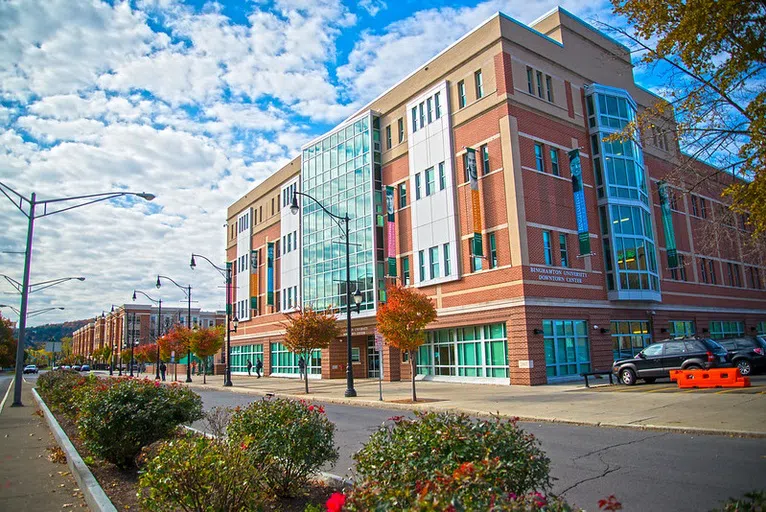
point(714, 344)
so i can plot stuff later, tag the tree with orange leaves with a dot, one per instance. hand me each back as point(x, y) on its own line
point(402, 322)
point(308, 330)
point(205, 343)
point(177, 339)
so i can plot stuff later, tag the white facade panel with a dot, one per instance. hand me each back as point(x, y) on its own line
point(290, 250)
point(242, 265)
point(434, 222)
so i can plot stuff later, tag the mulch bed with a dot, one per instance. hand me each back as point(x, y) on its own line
point(122, 485)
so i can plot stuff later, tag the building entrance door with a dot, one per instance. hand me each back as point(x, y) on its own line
point(373, 359)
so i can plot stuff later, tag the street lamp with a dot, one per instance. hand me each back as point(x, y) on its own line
point(29, 206)
point(30, 314)
point(188, 292)
point(295, 209)
point(159, 330)
point(226, 273)
point(42, 285)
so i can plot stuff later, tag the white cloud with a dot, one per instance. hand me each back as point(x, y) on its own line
point(373, 7)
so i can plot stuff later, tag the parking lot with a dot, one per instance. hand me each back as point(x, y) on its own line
point(757, 386)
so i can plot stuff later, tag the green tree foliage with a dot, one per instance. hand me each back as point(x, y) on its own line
point(7, 343)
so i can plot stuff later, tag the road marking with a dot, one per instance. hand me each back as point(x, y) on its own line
point(668, 388)
point(2, 404)
point(728, 390)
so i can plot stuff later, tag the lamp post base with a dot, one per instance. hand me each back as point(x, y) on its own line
point(188, 379)
point(227, 384)
point(350, 393)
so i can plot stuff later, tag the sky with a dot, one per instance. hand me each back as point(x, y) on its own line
point(194, 102)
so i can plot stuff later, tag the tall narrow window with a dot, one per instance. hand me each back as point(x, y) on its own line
point(563, 250)
point(554, 152)
point(430, 181)
point(703, 270)
point(711, 267)
point(549, 88)
point(539, 162)
point(402, 194)
point(730, 268)
point(492, 251)
point(442, 177)
point(530, 80)
point(422, 109)
point(406, 270)
point(437, 105)
point(417, 186)
point(703, 208)
point(695, 207)
point(547, 249)
point(485, 159)
point(401, 130)
point(447, 261)
point(479, 84)
point(414, 119)
point(433, 257)
point(539, 76)
point(422, 265)
point(461, 94)
point(429, 109)
point(465, 167)
point(388, 137)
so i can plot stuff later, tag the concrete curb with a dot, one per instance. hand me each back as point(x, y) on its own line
point(95, 496)
point(529, 419)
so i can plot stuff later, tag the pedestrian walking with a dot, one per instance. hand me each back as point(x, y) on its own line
point(163, 369)
point(301, 367)
point(258, 368)
point(249, 367)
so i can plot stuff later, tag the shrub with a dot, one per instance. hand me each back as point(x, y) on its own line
point(448, 457)
point(63, 389)
point(119, 417)
point(297, 436)
point(197, 473)
point(754, 501)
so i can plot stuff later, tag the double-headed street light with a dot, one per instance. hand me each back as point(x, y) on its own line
point(30, 314)
point(29, 206)
point(356, 296)
point(187, 291)
point(36, 287)
point(159, 329)
point(226, 273)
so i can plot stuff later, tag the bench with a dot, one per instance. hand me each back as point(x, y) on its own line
point(596, 373)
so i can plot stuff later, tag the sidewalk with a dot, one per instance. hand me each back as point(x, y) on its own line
point(715, 411)
point(28, 480)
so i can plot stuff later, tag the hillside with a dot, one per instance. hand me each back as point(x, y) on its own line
point(43, 333)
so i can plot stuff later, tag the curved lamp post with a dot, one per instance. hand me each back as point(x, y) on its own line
point(188, 292)
point(159, 330)
point(226, 273)
point(29, 206)
point(30, 314)
point(357, 296)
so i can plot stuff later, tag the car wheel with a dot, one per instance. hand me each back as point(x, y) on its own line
point(693, 367)
point(627, 376)
point(650, 380)
point(744, 366)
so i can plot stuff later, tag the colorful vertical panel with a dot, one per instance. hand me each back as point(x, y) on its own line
point(667, 225)
point(391, 235)
point(229, 287)
point(270, 273)
point(473, 181)
point(581, 213)
point(254, 281)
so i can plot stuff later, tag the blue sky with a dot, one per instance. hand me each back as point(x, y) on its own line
point(195, 102)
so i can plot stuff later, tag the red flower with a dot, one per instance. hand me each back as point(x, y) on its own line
point(321, 409)
point(396, 419)
point(243, 446)
point(311, 407)
point(336, 502)
point(610, 504)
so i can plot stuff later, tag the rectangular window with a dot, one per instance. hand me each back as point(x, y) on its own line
point(730, 268)
point(549, 88)
point(405, 270)
point(485, 159)
point(430, 182)
point(465, 167)
point(433, 256)
point(422, 265)
point(476, 261)
point(461, 94)
point(479, 84)
point(703, 208)
point(272, 206)
point(755, 278)
point(554, 152)
point(402, 194)
point(414, 119)
point(429, 108)
point(563, 250)
point(417, 186)
point(530, 80)
point(679, 273)
point(422, 110)
point(695, 207)
point(442, 177)
point(567, 348)
point(711, 267)
point(388, 137)
point(719, 330)
point(447, 264)
point(437, 105)
point(539, 76)
point(539, 162)
point(547, 249)
point(703, 270)
point(492, 251)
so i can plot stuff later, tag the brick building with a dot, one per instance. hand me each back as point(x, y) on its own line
point(483, 179)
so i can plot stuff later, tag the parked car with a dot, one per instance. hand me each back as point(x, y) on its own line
point(76, 367)
point(748, 353)
point(85, 368)
point(30, 368)
point(658, 359)
point(65, 367)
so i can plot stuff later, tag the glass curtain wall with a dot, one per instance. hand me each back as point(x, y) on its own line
point(240, 354)
point(567, 348)
point(624, 210)
point(342, 171)
point(629, 337)
point(285, 362)
point(476, 351)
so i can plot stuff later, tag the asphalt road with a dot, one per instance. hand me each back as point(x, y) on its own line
point(646, 470)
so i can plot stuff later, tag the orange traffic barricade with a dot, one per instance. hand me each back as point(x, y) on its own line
point(713, 378)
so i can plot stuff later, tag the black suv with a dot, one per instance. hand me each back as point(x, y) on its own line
point(682, 354)
point(748, 353)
